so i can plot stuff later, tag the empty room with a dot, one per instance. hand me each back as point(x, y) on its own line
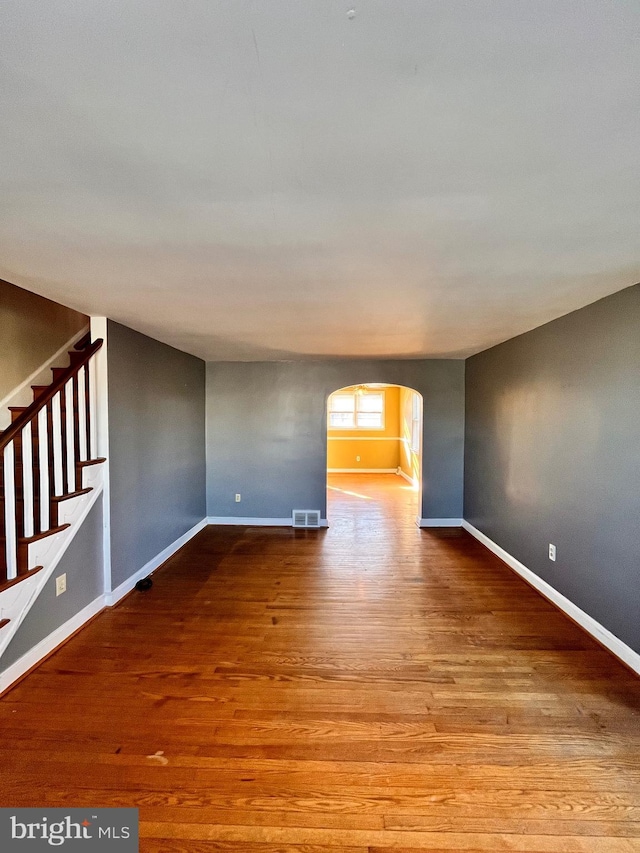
point(320, 426)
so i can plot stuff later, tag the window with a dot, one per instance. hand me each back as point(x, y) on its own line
point(415, 423)
point(356, 411)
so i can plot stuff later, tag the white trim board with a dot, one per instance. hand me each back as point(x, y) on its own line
point(362, 470)
point(409, 479)
point(440, 522)
point(364, 438)
point(114, 597)
point(259, 522)
point(621, 650)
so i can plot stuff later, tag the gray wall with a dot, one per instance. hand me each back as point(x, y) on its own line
point(32, 329)
point(553, 455)
point(83, 564)
point(156, 447)
point(267, 427)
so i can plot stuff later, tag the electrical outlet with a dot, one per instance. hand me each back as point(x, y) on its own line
point(61, 584)
point(357, 458)
point(552, 552)
point(238, 498)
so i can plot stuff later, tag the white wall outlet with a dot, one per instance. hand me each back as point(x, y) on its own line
point(357, 458)
point(552, 552)
point(61, 584)
point(238, 498)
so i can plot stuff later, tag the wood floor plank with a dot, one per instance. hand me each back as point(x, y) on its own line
point(369, 688)
point(384, 840)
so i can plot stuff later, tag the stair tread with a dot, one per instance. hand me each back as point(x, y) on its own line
point(39, 390)
point(84, 341)
point(97, 461)
point(19, 486)
point(76, 494)
point(50, 465)
point(3, 622)
point(14, 581)
point(27, 540)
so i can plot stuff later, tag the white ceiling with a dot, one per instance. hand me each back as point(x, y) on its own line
point(285, 178)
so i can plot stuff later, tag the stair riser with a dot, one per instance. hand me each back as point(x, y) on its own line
point(16, 411)
point(39, 391)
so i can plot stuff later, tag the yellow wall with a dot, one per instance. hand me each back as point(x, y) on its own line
point(409, 460)
point(377, 448)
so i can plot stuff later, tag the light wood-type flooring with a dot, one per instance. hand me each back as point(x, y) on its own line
point(368, 688)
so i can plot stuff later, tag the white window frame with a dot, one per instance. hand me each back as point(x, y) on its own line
point(356, 410)
point(416, 420)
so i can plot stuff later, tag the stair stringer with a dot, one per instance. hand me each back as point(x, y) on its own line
point(17, 600)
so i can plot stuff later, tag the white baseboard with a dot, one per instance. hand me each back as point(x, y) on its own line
point(621, 650)
point(125, 587)
point(440, 522)
point(258, 522)
point(361, 470)
point(245, 521)
point(409, 479)
point(46, 646)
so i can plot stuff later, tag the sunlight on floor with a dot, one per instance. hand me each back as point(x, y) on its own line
point(371, 504)
point(353, 494)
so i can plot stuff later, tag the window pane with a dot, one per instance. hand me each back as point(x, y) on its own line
point(369, 420)
point(341, 419)
point(415, 402)
point(415, 436)
point(415, 424)
point(342, 403)
point(370, 403)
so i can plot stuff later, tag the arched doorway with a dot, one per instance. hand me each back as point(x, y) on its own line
point(374, 454)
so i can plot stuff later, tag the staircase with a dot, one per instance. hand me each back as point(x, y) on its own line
point(50, 476)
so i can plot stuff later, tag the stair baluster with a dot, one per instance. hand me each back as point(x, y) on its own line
point(70, 412)
point(81, 440)
point(43, 468)
point(59, 445)
point(27, 482)
point(42, 456)
point(88, 385)
point(10, 525)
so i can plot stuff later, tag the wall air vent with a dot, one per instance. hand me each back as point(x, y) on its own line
point(306, 517)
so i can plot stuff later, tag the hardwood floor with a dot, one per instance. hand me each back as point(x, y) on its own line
point(373, 687)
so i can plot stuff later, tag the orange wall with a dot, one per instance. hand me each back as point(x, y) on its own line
point(377, 448)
